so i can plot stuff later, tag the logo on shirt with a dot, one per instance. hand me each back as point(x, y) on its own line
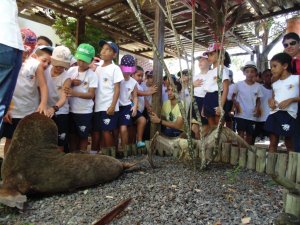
point(30, 77)
point(82, 128)
point(106, 121)
point(255, 94)
point(291, 86)
point(215, 77)
point(127, 116)
point(285, 127)
point(62, 136)
point(105, 79)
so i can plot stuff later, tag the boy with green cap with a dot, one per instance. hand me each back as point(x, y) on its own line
point(81, 94)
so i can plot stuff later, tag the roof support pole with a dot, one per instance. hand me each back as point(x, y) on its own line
point(159, 34)
point(80, 29)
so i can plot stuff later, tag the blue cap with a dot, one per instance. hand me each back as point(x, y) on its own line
point(113, 45)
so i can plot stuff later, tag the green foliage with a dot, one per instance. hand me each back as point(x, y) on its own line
point(65, 28)
point(232, 174)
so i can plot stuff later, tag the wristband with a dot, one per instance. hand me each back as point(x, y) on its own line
point(56, 108)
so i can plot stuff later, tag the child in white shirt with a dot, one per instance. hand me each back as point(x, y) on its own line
point(284, 103)
point(58, 80)
point(246, 100)
point(81, 94)
point(107, 96)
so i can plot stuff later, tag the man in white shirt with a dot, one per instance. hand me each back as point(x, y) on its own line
point(11, 47)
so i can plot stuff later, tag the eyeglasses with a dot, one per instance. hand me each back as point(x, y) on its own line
point(292, 43)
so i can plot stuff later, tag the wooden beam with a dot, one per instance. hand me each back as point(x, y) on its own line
point(80, 29)
point(95, 8)
point(272, 14)
point(133, 52)
point(59, 9)
point(240, 41)
point(38, 19)
point(255, 6)
point(24, 6)
point(239, 54)
point(157, 67)
point(168, 27)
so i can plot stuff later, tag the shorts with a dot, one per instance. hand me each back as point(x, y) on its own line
point(247, 126)
point(9, 129)
point(125, 116)
point(171, 132)
point(281, 123)
point(62, 123)
point(210, 102)
point(199, 102)
point(81, 124)
point(104, 122)
point(227, 108)
point(138, 115)
point(259, 130)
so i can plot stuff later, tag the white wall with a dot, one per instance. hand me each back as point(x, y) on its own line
point(40, 29)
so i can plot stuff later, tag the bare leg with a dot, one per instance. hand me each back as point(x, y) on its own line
point(140, 126)
point(83, 143)
point(288, 141)
point(249, 139)
point(274, 139)
point(124, 135)
point(132, 134)
point(108, 139)
point(95, 141)
point(73, 141)
point(196, 130)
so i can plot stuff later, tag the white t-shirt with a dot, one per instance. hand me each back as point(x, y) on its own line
point(199, 91)
point(210, 81)
point(89, 80)
point(126, 88)
point(141, 99)
point(55, 89)
point(26, 96)
point(246, 96)
point(285, 89)
point(230, 91)
point(149, 97)
point(10, 30)
point(108, 76)
point(265, 109)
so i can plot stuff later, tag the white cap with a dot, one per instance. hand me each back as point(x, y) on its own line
point(61, 56)
point(249, 64)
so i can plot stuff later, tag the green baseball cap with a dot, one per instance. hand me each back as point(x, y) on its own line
point(85, 52)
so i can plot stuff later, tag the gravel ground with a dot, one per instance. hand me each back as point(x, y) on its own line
point(170, 194)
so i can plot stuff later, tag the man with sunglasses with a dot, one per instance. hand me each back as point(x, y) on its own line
point(291, 44)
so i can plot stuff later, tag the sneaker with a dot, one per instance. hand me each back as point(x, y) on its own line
point(140, 144)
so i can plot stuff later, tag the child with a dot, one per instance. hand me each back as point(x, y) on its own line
point(58, 80)
point(199, 93)
point(26, 98)
point(283, 104)
point(246, 100)
point(139, 119)
point(185, 93)
point(211, 107)
point(107, 95)
point(266, 90)
point(128, 92)
point(43, 40)
point(81, 94)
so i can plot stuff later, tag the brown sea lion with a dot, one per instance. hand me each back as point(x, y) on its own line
point(33, 164)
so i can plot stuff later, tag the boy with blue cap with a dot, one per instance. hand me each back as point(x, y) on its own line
point(107, 97)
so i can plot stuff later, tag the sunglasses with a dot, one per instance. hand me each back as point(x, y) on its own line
point(292, 43)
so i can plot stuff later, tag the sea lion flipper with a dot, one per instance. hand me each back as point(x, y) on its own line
point(12, 198)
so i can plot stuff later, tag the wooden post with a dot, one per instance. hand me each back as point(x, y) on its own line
point(225, 156)
point(80, 29)
point(159, 35)
point(251, 159)
point(271, 163)
point(298, 171)
point(292, 205)
point(261, 160)
point(243, 157)
point(292, 166)
point(234, 155)
point(280, 168)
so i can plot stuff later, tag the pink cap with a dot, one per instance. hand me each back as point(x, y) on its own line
point(128, 69)
point(212, 48)
point(29, 38)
